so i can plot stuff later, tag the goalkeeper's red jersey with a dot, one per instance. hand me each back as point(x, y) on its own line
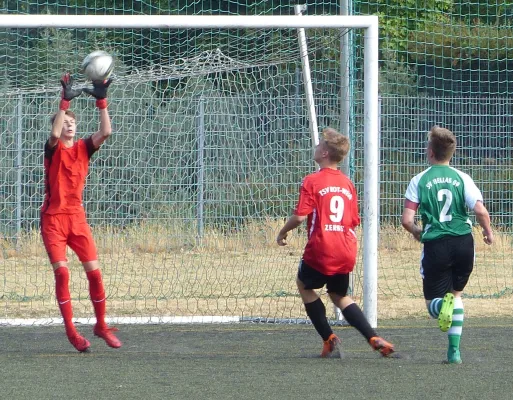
point(65, 175)
point(329, 199)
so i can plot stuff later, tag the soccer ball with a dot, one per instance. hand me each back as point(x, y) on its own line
point(98, 65)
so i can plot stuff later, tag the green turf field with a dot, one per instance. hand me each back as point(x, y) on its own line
point(255, 361)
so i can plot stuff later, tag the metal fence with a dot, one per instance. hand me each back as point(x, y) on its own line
point(221, 159)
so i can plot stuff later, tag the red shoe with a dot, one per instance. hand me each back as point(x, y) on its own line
point(107, 335)
point(330, 345)
point(382, 346)
point(79, 342)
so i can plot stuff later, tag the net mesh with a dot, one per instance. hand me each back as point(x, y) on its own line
point(211, 141)
point(445, 63)
point(185, 199)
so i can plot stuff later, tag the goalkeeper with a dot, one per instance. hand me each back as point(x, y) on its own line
point(442, 194)
point(63, 219)
point(328, 201)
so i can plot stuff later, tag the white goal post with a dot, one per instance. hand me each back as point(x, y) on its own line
point(370, 118)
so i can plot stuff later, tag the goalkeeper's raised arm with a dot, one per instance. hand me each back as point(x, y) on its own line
point(62, 126)
point(99, 92)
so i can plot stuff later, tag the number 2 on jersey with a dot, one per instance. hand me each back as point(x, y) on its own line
point(444, 217)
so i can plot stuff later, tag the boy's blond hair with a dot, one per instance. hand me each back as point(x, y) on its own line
point(337, 144)
point(442, 142)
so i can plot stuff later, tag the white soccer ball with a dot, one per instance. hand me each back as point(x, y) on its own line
point(98, 65)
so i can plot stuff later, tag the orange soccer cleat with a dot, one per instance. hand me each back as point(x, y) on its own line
point(381, 345)
point(330, 345)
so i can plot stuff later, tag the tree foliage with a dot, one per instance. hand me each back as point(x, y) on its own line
point(461, 44)
point(444, 32)
point(400, 17)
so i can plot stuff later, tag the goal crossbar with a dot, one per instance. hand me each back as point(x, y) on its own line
point(186, 21)
point(371, 112)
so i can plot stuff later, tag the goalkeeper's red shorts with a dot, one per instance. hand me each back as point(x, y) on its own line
point(61, 230)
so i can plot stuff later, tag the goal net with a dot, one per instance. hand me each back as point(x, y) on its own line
point(210, 142)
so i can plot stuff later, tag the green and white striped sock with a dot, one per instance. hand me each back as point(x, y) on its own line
point(456, 328)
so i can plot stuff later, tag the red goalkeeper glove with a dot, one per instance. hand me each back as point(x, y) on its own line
point(68, 93)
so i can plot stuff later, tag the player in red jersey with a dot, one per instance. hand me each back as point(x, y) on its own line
point(63, 220)
point(328, 201)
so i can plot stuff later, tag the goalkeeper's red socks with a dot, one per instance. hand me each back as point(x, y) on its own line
point(64, 298)
point(97, 294)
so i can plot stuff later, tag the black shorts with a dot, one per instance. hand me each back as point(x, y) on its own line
point(313, 279)
point(446, 265)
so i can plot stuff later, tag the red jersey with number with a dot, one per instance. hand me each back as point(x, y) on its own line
point(328, 198)
point(65, 175)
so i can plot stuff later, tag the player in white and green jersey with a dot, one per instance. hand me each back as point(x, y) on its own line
point(442, 194)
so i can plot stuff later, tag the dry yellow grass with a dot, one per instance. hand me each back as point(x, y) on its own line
point(162, 270)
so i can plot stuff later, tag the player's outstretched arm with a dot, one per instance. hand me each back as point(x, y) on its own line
point(67, 94)
point(291, 224)
point(483, 218)
point(99, 92)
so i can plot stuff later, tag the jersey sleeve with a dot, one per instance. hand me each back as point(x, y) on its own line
point(50, 151)
point(412, 192)
point(90, 146)
point(306, 202)
point(472, 192)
